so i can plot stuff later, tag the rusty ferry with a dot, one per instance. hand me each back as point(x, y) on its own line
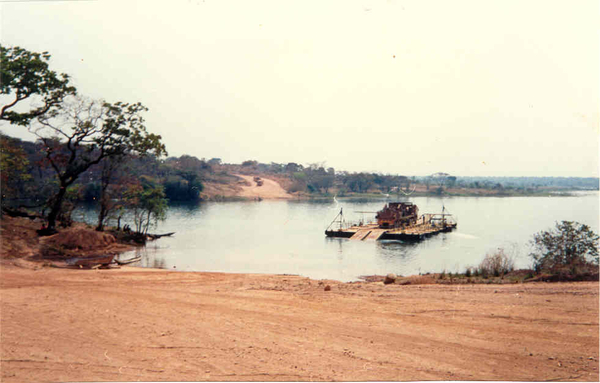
point(396, 221)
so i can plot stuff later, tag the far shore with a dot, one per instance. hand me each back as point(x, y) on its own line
point(273, 189)
point(379, 196)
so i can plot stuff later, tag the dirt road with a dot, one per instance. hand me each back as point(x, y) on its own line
point(139, 324)
point(268, 190)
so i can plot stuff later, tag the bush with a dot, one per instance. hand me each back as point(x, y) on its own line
point(496, 264)
point(179, 189)
point(570, 245)
point(297, 186)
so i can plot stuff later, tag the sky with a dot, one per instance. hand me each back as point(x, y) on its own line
point(465, 87)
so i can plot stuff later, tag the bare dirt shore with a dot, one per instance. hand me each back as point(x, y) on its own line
point(270, 189)
point(133, 324)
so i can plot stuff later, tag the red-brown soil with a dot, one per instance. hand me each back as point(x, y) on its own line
point(134, 324)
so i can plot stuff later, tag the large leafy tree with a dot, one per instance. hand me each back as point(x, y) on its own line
point(569, 244)
point(29, 88)
point(81, 133)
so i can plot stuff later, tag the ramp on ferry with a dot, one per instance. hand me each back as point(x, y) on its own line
point(370, 234)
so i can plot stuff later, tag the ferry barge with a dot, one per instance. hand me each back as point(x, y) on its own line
point(396, 221)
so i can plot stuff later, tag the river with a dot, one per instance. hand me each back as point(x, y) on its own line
point(287, 237)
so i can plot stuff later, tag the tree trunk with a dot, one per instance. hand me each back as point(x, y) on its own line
point(101, 216)
point(56, 206)
point(147, 222)
point(104, 206)
point(109, 168)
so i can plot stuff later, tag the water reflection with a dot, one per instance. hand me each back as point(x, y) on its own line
point(189, 207)
point(397, 254)
point(388, 248)
point(340, 246)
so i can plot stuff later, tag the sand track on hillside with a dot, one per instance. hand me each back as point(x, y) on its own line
point(269, 190)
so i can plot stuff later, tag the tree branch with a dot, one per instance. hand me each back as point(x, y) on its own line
point(5, 107)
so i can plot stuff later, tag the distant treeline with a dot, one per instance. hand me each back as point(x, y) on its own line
point(590, 183)
point(27, 176)
point(317, 178)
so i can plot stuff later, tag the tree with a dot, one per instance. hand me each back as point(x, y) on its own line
point(184, 186)
point(451, 181)
point(359, 182)
point(14, 165)
point(323, 182)
point(439, 179)
point(276, 168)
point(569, 244)
point(250, 163)
point(147, 202)
point(110, 167)
point(80, 133)
point(293, 167)
point(317, 178)
point(27, 76)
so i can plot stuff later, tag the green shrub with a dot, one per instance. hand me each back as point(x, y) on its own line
point(569, 246)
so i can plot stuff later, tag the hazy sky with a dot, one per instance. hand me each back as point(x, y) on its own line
point(477, 87)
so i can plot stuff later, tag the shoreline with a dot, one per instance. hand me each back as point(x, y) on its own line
point(20, 242)
point(378, 197)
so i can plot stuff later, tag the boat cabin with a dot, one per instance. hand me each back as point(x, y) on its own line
point(397, 214)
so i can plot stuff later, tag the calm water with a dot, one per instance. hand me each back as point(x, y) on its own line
point(285, 237)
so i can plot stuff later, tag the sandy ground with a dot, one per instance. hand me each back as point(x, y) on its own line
point(269, 190)
point(138, 324)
